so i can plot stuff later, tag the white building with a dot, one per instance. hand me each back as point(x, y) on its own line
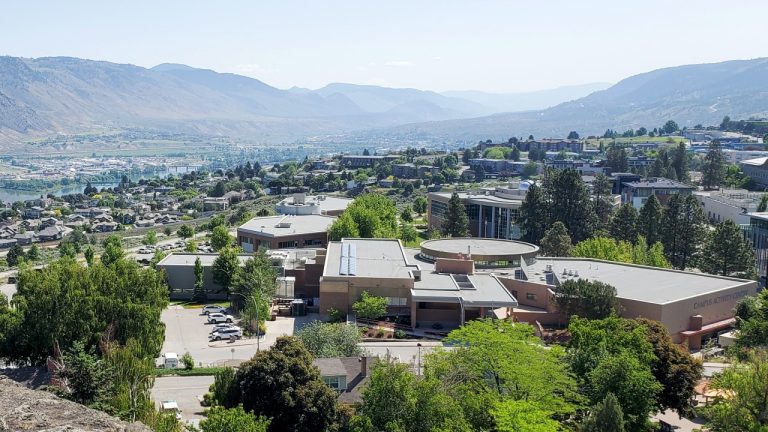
point(729, 204)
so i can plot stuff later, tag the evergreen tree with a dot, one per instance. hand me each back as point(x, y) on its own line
point(456, 223)
point(199, 295)
point(623, 225)
point(763, 206)
point(650, 220)
point(617, 159)
point(14, 256)
point(534, 215)
point(556, 241)
point(713, 169)
point(683, 230)
point(727, 253)
point(605, 416)
point(601, 190)
point(680, 162)
point(570, 203)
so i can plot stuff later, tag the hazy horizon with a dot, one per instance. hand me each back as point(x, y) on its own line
point(488, 46)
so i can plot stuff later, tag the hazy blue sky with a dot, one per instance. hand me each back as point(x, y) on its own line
point(427, 44)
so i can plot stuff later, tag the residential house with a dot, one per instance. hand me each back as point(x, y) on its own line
point(346, 375)
point(7, 243)
point(51, 233)
point(35, 212)
point(25, 238)
point(49, 222)
point(105, 227)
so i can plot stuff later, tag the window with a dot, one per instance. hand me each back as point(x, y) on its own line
point(530, 296)
point(397, 301)
point(287, 244)
point(336, 382)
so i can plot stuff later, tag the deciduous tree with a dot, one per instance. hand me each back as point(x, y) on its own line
point(220, 238)
point(370, 307)
point(225, 266)
point(330, 340)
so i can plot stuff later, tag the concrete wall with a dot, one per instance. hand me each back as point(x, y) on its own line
point(334, 291)
point(181, 281)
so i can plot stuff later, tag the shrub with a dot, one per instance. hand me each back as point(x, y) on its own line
point(188, 361)
point(335, 315)
point(380, 333)
point(399, 334)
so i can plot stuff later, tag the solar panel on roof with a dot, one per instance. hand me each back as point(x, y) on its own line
point(344, 266)
point(352, 266)
point(352, 250)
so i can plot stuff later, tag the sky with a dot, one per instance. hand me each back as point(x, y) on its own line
point(493, 46)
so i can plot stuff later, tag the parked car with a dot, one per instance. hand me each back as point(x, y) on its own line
point(170, 406)
point(213, 308)
point(216, 318)
point(229, 333)
point(144, 250)
point(218, 327)
point(170, 360)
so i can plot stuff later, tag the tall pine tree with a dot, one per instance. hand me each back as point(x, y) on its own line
point(605, 416)
point(623, 225)
point(650, 220)
point(713, 169)
point(571, 203)
point(456, 223)
point(534, 215)
point(199, 295)
point(727, 253)
point(556, 241)
point(683, 230)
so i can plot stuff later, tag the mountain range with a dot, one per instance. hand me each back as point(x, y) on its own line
point(41, 97)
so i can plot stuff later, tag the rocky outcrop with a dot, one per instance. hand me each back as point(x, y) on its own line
point(23, 409)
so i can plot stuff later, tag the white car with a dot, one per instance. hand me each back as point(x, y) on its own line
point(229, 333)
point(217, 327)
point(170, 406)
point(217, 317)
point(207, 309)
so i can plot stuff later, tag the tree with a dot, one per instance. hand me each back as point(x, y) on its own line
point(283, 385)
point(726, 252)
point(406, 216)
point(420, 205)
point(570, 203)
point(396, 400)
point(752, 321)
point(86, 375)
point(515, 154)
point(455, 222)
point(586, 299)
point(370, 215)
point(220, 238)
point(218, 190)
point(617, 159)
point(257, 276)
point(495, 361)
point(191, 246)
point(530, 169)
point(326, 340)
point(605, 416)
point(199, 295)
point(370, 307)
point(150, 238)
point(33, 254)
point(408, 234)
point(366, 152)
point(67, 250)
point(746, 408)
point(683, 230)
point(622, 251)
point(225, 266)
point(670, 127)
point(763, 206)
point(680, 162)
point(187, 361)
point(623, 224)
point(573, 135)
point(556, 241)
point(523, 416)
point(601, 191)
point(113, 250)
point(220, 419)
point(650, 220)
point(534, 215)
point(713, 168)
point(15, 255)
point(89, 256)
point(185, 231)
point(132, 368)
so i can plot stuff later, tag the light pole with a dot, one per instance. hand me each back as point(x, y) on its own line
point(233, 353)
point(418, 371)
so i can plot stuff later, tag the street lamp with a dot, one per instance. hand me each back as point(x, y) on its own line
point(418, 371)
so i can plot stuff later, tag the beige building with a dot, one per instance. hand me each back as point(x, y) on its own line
point(690, 305)
point(440, 294)
point(284, 232)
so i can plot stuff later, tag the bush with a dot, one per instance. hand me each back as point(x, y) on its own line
point(336, 316)
point(188, 361)
point(380, 333)
point(399, 334)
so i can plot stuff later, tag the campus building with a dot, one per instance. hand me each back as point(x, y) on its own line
point(492, 213)
point(354, 161)
point(728, 204)
point(637, 193)
point(757, 170)
point(301, 204)
point(757, 232)
point(284, 232)
point(440, 294)
point(692, 306)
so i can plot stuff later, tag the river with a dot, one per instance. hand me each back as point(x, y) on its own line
point(12, 195)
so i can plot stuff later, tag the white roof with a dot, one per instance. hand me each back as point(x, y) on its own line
point(278, 226)
point(756, 162)
point(171, 355)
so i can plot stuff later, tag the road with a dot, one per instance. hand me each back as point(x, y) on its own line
point(186, 391)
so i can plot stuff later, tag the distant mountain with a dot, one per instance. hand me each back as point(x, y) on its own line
point(511, 102)
point(691, 94)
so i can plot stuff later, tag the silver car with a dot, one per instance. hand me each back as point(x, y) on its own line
point(229, 333)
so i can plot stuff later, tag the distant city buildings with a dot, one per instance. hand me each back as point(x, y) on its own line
point(757, 170)
point(638, 192)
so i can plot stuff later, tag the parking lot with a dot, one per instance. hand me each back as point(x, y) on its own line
point(186, 330)
point(185, 391)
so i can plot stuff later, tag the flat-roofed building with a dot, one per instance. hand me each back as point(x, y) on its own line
point(492, 213)
point(354, 161)
point(728, 204)
point(179, 269)
point(690, 305)
point(757, 232)
point(302, 204)
point(637, 193)
point(284, 232)
point(440, 294)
